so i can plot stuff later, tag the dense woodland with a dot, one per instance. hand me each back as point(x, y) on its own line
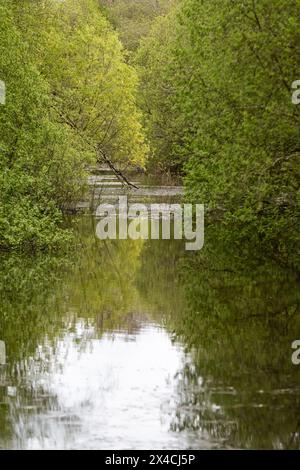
point(201, 89)
point(70, 97)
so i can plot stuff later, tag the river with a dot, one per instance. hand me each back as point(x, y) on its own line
point(125, 344)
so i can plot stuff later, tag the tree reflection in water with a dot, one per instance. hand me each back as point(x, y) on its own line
point(231, 320)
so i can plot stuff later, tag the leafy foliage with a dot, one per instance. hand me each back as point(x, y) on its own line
point(133, 18)
point(69, 95)
point(220, 104)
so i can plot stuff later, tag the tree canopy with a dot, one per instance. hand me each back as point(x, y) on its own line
point(70, 95)
point(217, 97)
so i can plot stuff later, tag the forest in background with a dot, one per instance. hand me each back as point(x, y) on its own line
point(133, 18)
point(196, 88)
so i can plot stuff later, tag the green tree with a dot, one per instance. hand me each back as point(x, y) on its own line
point(229, 72)
point(70, 98)
point(36, 152)
point(133, 18)
point(163, 120)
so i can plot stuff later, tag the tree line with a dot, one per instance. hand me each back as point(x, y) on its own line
point(198, 88)
point(70, 97)
point(216, 91)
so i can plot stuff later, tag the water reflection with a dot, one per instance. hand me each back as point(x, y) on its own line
point(241, 320)
point(138, 344)
point(97, 394)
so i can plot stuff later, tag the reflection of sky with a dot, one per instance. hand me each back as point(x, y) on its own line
point(116, 392)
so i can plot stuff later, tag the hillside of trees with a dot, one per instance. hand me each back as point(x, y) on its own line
point(133, 18)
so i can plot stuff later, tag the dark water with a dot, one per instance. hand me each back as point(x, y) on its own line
point(139, 344)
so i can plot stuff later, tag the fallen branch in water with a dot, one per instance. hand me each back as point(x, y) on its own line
point(121, 177)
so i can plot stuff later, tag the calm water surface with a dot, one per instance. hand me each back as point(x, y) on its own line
point(138, 344)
